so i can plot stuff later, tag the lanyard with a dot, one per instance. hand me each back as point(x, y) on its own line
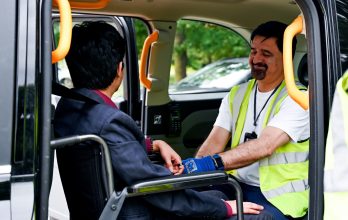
point(256, 118)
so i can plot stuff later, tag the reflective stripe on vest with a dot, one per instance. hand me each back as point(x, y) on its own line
point(284, 158)
point(283, 175)
point(287, 188)
point(336, 162)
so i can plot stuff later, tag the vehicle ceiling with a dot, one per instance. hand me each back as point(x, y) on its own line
point(243, 13)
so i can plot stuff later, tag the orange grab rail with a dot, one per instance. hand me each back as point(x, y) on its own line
point(301, 98)
point(65, 31)
point(89, 5)
point(99, 4)
point(147, 44)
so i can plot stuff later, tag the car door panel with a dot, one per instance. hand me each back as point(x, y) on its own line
point(185, 122)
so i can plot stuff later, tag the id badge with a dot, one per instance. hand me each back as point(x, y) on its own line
point(249, 136)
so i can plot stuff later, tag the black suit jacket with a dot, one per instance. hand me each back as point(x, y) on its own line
point(129, 160)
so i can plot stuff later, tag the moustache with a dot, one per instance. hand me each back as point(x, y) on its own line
point(259, 65)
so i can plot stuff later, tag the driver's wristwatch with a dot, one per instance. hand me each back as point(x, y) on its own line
point(219, 164)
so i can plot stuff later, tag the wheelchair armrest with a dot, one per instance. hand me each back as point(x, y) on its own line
point(173, 183)
point(186, 181)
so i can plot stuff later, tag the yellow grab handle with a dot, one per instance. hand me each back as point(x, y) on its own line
point(99, 4)
point(147, 44)
point(294, 28)
point(65, 31)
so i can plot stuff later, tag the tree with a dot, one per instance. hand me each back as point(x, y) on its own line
point(141, 32)
point(199, 43)
point(180, 52)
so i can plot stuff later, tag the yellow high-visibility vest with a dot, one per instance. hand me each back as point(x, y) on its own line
point(336, 156)
point(283, 175)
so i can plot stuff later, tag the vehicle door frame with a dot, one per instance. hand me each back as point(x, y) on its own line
point(130, 104)
point(323, 71)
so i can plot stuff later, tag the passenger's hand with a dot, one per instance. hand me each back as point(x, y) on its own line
point(248, 207)
point(171, 158)
point(197, 165)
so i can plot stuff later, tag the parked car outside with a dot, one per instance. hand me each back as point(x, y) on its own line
point(217, 76)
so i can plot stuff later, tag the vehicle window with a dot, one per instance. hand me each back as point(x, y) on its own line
point(207, 57)
point(141, 32)
point(63, 74)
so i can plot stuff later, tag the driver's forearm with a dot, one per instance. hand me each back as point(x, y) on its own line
point(205, 150)
point(215, 143)
point(245, 154)
point(254, 150)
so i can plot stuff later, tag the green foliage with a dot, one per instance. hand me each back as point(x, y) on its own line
point(141, 32)
point(56, 31)
point(205, 43)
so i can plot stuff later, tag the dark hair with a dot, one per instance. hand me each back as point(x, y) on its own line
point(273, 29)
point(96, 50)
